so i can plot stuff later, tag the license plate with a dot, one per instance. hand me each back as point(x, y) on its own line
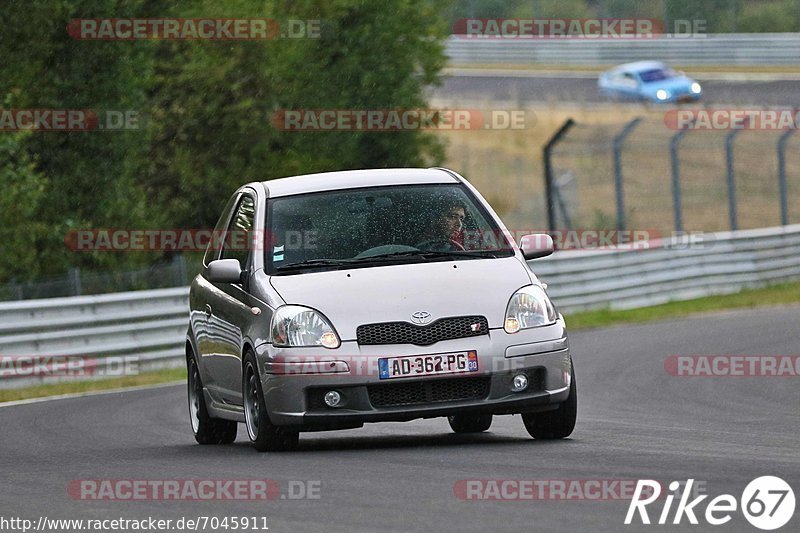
point(427, 365)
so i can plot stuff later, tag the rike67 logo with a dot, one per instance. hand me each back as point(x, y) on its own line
point(767, 503)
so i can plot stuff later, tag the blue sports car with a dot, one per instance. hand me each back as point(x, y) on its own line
point(651, 81)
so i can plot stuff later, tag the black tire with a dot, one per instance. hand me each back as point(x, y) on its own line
point(207, 430)
point(469, 423)
point(557, 424)
point(265, 436)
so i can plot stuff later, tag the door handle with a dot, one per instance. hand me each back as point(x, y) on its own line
point(208, 310)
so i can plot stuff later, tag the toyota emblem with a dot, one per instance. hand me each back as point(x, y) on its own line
point(420, 317)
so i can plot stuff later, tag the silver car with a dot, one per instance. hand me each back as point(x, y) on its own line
point(331, 300)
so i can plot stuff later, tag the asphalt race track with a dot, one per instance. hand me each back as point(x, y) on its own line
point(538, 88)
point(635, 421)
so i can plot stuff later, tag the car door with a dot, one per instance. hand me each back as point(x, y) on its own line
point(201, 295)
point(628, 85)
point(230, 304)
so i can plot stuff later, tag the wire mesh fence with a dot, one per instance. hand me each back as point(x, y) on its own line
point(176, 273)
point(667, 180)
point(661, 180)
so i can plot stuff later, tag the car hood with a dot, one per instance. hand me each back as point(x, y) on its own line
point(349, 298)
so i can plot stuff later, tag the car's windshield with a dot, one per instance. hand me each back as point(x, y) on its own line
point(657, 74)
point(369, 226)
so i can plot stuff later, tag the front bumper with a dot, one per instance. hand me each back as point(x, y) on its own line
point(294, 380)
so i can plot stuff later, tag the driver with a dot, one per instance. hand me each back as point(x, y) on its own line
point(443, 231)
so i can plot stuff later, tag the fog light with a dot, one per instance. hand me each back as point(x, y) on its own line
point(520, 383)
point(332, 398)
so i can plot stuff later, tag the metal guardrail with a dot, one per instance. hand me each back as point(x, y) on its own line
point(724, 262)
point(712, 49)
point(150, 325)
point(145, 327)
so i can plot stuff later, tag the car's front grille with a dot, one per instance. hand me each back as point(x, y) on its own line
point(430, 391)
point(458, 327)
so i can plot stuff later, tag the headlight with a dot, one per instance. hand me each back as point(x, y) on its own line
point(696, 89)
point(528, 308)
point(662, 94)
point(294, 325)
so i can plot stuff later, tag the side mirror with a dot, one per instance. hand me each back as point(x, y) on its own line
point(225, 271)
point(536, 245)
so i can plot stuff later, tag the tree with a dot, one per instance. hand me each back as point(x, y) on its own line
point(82, 175)
point(206, 108)
point(212, 101)
point(23, 192)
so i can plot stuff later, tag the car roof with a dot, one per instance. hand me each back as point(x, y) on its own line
point(351, 179)
point(638, 66)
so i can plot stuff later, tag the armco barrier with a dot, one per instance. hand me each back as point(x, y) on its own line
point(148, 326)
point(151, 324)
point(722, 263)
point(712, 49)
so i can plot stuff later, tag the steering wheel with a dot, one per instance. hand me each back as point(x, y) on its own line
point(439, 244)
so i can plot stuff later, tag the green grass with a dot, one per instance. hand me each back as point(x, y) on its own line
point(782, 294)
point(70, 387)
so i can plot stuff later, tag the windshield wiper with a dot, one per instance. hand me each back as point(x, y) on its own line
point(312, 263)
point(425, 254)
point(431, 254)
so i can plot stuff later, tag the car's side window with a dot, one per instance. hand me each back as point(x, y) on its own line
point(629, 80)
point(216, 240)
point(237, 242)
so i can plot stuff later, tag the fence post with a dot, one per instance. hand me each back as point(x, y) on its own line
point(618, 185)
point(677, 208)
point(559, 198)
point(782, 175)
point(548, 171)
point(75, 278)
point(732, 216)
point(181, 272)
point(15, 290)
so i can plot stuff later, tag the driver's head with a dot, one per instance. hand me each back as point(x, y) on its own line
point(448, 217)
point(453, 219)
